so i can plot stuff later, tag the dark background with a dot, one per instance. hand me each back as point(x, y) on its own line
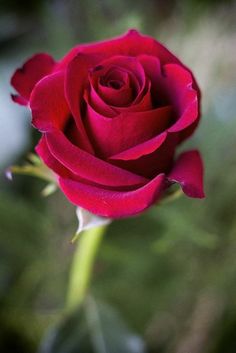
point(170, 273)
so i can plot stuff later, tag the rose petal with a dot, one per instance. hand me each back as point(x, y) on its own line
point(115, 87)
point(43, 151)
point(138, 82)
point(25, 78)
point(187, 132)
point(152, 68)
point(48, 104)
point(131, 43)
point(113, 204)
point(115, 97)
point(177, 85)
point(149, 158)
point(188, 172)
point(143, 101)
point(129, 64)
point(142, 149)
point(98, 103)
point(88, 166)
point(95, 96)
point(134, 43)
point(76, 81)
point(112, 136)
point(19, 99)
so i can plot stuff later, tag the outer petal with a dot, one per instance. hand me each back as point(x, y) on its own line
point(131, 43)
point(113, 204)
point(89, 167)
point(149, 158)
point(177, 85)
point(25, 78)
point(47, 102)
point(188, 172)
point(44, 153)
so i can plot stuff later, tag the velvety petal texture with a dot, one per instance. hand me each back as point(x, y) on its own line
point(188, 172)
point(25, 78)
point(48, 104)
point(113, 204)
point(112, 115)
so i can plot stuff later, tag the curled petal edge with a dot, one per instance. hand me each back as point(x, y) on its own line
point(25, 78)
point(188, 172)
point(113, 204)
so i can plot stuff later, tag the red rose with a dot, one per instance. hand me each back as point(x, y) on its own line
point(112, 114)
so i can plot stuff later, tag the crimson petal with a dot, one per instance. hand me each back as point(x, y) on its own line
point(88, 166)
point(114, 86)
point(142, 149)
point(152, 68)
point(25, 78)
point(98, 104)
point(113, 204)
point(149, 158)
point(178, 85)
point(48, 104)
point(131, 43)
point(76, 81)
point(114, 135)
point(44, 153)
point(188, 172)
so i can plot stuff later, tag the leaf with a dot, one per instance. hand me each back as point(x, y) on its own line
point(49, 189)
point(34, 167)
point(94, 328)
point(34, 159)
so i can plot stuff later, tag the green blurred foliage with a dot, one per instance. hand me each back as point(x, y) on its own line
point(171, 272)
point(95, 327)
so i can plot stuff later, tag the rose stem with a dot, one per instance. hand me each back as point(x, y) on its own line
point(82, 266)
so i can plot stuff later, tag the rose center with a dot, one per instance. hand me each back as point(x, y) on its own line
point(115, 84)
point(114, 78)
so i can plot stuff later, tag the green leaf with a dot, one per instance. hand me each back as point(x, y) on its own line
point(49, 189)
point(94, 328)
point(33, 167)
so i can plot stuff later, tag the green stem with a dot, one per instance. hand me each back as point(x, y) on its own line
point(82, 266)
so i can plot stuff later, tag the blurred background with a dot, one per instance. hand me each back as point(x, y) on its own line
point(164, 282)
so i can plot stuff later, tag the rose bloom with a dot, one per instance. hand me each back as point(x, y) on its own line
point(111, 115)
